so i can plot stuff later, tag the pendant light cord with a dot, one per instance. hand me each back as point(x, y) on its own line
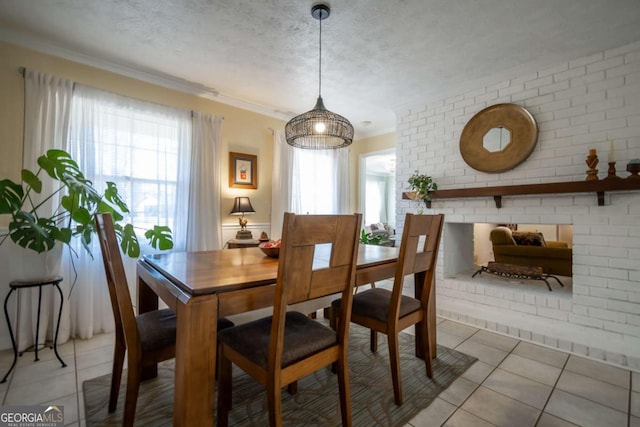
point(320, 58)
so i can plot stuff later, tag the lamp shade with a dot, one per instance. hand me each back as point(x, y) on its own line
point(241, 206)
point(319, 129)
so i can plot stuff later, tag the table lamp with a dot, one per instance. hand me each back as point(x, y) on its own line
point(241, 206)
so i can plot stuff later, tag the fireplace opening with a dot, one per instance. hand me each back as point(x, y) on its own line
point(468, 247)
point(551, 233)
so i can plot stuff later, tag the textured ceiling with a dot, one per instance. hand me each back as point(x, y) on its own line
point(379, 56)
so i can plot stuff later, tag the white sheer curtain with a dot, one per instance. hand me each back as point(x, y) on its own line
point(376, 200)
point(281, 179)
point(204, 225)
point(47, 108)
point(320, 181)
point(341, 159)
point(145, 149)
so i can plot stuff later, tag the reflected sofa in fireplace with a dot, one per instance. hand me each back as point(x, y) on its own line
point(532, 250)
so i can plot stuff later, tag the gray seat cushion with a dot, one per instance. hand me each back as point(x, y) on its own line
point(302, 337)
point(158, 329)
point(224, 323)
point(374, 303)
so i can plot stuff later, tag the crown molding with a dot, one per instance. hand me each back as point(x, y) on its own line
point(30, 41)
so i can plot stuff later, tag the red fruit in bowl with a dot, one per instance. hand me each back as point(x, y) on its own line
point(270, 248)
point(271, 244)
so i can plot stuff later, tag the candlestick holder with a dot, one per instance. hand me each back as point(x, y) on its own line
point(592, 162)
point(633, 167)
point(611, 173)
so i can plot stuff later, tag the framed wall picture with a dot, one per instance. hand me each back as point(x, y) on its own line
point(243, 171)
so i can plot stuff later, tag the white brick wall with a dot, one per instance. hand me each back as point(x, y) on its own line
point(580, 104)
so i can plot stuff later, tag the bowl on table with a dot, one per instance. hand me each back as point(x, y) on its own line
point(270, 248)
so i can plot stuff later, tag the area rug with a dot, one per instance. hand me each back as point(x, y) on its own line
point(316, 403)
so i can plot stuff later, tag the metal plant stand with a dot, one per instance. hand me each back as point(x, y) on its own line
point(17, 285)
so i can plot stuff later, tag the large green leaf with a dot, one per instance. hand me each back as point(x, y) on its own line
point(86, 233)
point(32, 180)
point(58, 164)
point(160, 237)
point(105, 207)
point(119, 231)
point(11, 195)
point(63, 235)
point(82, 216)
point(112, 195)
point(79, 186)
point(37, 235)
point(129, 242)
point(70, 202)
point(80, 203)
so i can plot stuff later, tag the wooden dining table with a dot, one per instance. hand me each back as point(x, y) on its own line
point(200, 287)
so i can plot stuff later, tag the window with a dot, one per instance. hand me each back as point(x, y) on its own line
point(377, 187)
point(376, 190)
point(320, 181)
point(141, 147)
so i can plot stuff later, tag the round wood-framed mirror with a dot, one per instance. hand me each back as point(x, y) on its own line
point(498, 138)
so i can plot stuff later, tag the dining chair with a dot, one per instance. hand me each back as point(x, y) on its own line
point(390, 312)
point(318, 257)
point(148, 338)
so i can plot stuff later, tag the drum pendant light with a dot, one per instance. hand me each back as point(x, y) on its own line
point(319, 128)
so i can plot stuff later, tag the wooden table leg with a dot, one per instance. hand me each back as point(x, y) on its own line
point(194, 393)
point(147, 298)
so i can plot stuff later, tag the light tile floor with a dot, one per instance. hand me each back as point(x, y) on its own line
point(517, 383)
point(513, 383)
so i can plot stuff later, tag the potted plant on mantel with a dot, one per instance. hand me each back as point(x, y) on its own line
point(420, 187)
point(34, 231)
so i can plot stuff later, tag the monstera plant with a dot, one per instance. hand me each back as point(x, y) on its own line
point(32, 229)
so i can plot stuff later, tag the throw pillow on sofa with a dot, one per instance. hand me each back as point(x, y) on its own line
point(529, 239)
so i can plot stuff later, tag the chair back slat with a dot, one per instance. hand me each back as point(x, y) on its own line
point(325, 282)
point(297, 280)
point(427, 227)
point(415, 257)
point(300, 254)
point(121, 303)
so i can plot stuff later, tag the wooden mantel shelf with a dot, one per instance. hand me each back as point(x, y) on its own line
point(599, 187)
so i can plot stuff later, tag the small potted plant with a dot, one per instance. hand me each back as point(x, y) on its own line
point(422, 185)
point(33, 230)
point(370, 239)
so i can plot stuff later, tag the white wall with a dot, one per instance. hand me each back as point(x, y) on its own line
point(579, 104)
point(482, 248)
point(229, 231)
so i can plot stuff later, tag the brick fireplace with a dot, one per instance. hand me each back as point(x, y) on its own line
point(581, 104)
